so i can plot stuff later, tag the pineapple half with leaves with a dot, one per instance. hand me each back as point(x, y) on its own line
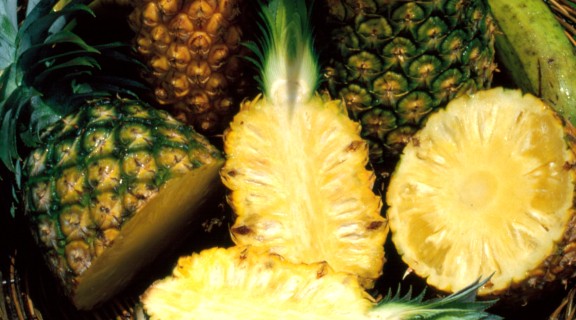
point(109, 182)
point(395, 62)
point(487, 188)
point(252, 284)
point(193, 49)
point(296, 164)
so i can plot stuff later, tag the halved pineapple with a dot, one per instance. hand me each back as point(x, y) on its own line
point(299, 185)
point(487, 187)
point(296, 165)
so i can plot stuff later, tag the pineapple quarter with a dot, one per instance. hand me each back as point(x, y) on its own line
point(487, 187)
point(250, 283)
point(253, 284)
point(114, 184)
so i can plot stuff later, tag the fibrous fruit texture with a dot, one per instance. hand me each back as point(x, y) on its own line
point(487, 187)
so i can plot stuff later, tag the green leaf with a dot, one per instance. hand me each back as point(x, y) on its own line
point(289, 62)
point(39, 23)
point(10, 118)
point(461, 305)
point(8, 10)
point(71, 38)
point(88, 62)
point(8, 34)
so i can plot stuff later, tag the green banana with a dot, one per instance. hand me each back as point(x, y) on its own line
point(532, 47)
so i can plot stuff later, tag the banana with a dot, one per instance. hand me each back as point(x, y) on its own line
point(533, 48)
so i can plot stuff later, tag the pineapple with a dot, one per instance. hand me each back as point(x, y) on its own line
point(487, 188)
point(296, 164)
point(252, 284)
point(193, 50)
point(395, 62)
point(108, 182)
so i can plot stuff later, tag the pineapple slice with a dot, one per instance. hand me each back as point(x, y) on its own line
point(487, 187)
point(300, 186)
point(252, 284)
point(296, 164)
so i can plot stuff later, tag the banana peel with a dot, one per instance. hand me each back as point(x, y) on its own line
point(533, 49)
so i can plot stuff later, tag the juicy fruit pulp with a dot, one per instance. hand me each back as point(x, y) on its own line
point(253, 284)
point(300, 186)
point(113, 184)
point(486, 187)
point(395, 62)
point(247, 283)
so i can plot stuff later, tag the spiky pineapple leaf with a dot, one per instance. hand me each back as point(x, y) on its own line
point(285, 53)
point(459, 305)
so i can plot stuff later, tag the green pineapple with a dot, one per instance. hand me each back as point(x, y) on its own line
point(108, 181)
point(395, 62)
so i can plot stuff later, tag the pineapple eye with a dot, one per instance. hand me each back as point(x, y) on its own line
point(374, 31)
point(389, 88)
point(357, 99)
point(181, 27)
point(364, 67)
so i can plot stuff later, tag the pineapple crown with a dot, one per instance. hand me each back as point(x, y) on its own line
point(285, 56)
point(47, 70)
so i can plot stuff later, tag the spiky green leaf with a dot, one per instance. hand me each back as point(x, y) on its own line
point(289, 68)
point(461, 305)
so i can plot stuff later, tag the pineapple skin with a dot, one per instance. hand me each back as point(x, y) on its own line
point(395, 62)
point(98, 168)
point(299, 185)
point(193, 50)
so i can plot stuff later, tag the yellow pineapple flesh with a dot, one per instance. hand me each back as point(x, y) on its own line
point(296, 166)
point(250, 283)
point(299, 185)
point(487, 187)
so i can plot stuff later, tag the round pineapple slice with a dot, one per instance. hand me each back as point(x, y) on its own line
point(487, 188)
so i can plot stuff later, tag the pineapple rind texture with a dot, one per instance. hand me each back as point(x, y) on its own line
point(299, 185)
point(396, 62)
point(487, 187)
point(193, 51)
point(97, 169)
point(252, 283)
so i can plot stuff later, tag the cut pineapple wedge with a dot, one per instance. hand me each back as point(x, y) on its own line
point(486, 187)
point(156, 226)
point(248, 283)
point(300, 186)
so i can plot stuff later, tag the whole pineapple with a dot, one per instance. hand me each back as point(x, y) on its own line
point(193, 49)
point(296, 164)
point(395, 62)
point(487, 188)
point(252, 284)
point(107, 182)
